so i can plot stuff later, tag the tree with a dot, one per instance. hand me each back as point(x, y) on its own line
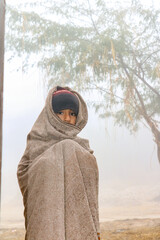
point(115, 49)
point(2, 21)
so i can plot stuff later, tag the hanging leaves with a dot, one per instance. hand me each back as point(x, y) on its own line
point(113, 53)
point(115, 48)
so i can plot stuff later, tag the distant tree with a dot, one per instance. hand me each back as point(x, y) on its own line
point(2, 26)
point(115, 49)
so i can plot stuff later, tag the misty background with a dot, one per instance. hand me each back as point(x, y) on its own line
point(129, 171)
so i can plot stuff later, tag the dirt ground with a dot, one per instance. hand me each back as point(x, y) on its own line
point(134, 229)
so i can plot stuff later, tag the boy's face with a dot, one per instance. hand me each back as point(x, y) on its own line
point(67, 115)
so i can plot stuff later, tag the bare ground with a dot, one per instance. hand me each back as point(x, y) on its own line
point(129, 229)
point(134, 229)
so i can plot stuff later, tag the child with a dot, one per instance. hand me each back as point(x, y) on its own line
point(58, 173)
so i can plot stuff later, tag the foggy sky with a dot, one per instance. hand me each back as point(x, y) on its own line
point(128, 165)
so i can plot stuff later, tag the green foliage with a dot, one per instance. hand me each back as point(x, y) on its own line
point(115, 49)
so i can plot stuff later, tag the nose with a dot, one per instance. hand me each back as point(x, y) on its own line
point(67, 118)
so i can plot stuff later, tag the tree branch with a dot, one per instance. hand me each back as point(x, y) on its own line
point(108, 92)
point(146, 83)
point(150, 55)
point(143, 109)
point(141, 78)
point(90, 13)
point(143, 112)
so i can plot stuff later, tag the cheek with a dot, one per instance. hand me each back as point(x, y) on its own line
point(73, 120)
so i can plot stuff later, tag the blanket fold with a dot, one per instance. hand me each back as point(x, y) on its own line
point(58, 178)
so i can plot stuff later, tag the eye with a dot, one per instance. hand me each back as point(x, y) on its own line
point(73, 114)
point(60, 113)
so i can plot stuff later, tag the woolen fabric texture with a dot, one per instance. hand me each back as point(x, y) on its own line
point(58, 178)
point(63, 99)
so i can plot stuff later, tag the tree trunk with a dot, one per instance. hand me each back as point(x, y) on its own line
point(158, 151)
point(156, 134)
point(2, 23)
point(157, 140)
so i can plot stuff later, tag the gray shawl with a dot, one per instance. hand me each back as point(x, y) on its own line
point(58, 178)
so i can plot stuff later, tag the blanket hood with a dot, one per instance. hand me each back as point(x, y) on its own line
point(63, 127)
point(49, 129)
point(49, 125)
